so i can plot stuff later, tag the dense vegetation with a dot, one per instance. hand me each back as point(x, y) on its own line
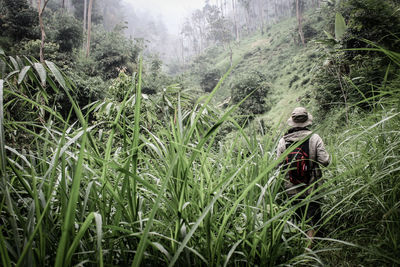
point(106, 160)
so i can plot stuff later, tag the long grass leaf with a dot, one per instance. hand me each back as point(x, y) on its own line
point(69, 216)
point(82, 230)
point(14, 63)
point(57, 74)
point(204, 213)
point(2, 136)
point(143, 240)
point(5, 258)
point(22, 74)
point(340, 26)
point(41, 71)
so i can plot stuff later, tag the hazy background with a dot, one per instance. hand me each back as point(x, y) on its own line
point(171, 12)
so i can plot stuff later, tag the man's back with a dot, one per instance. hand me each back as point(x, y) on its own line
point(317, 152)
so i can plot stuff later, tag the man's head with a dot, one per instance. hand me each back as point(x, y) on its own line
point(300, 118)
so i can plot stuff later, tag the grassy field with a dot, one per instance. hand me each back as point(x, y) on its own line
point(148, 181)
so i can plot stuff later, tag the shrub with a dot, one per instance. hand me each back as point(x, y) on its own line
point(210, 80)
point(293, 80)
point(254, 83)
point(113, 52)
point(373, 20)
point(65, 30)
point(18, 21)
point(350, 75)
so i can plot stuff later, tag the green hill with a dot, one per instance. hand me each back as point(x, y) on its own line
point(288, 66)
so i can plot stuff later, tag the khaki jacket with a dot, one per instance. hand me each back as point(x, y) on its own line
point(318, 155)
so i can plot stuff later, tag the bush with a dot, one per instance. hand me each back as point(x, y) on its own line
point(65, 30)
point(31, 48)
point(365, 162)
point(309, 32)
point(18, 20)
point(119, 87)
point(351, 75)
point(254, 83)
point(294, 79)
point(210, 80)
point(373, 20)
point(113, 52)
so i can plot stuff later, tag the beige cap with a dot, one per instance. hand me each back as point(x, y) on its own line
point(300, 118)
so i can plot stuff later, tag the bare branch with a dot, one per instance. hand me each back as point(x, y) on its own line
point(45, 4)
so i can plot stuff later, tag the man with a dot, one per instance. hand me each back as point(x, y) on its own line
point(309, 154)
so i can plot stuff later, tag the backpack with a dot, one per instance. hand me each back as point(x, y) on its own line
point(298, 163)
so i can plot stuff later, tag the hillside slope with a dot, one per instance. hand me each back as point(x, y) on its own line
point(288, 66)
point(361, 194)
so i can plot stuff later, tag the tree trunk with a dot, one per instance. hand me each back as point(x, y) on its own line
point(43, 34)
point(89, 23)
point(299, 21)
point(63, 4)
point(235, 21)
point(84, 16)
point(261, 8)
point(225, 11)
point(230, 54)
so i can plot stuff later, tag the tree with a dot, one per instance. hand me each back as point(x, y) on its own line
point(235, 20)
point(65, 30)
point(351, 74)
point(84, 16)
point(18, 20)
point(199, 24)
point(89, 27)
point(246, 5)
point(43, 34)
point(299, 7)
point(261, 14)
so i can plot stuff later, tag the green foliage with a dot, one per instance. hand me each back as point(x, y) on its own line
point(254, 84)
point(65, 30)
point(204, 62)
point(155, 65)
point(97, 14)
point(340, 26)
point(373, 20)
point(153, 180)
point(112, 52)
point(120, 87)
point(309, 32)
point(88, 89)
point(18, 20)
point(51, 50)
point(210, 80)
point(220, 30)
point(170, 179)
point(352, 74)
point(365, 172)
point(154, 79)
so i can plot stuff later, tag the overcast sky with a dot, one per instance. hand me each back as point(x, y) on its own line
point(173, 12)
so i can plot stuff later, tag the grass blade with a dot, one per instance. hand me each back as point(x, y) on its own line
point(2, 137)
point(69, 216)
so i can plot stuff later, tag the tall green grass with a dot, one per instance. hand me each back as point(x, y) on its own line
point(113, 192)
point(364, 212)
point(136, 197)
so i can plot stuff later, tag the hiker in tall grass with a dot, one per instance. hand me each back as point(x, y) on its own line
point(302, 164)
